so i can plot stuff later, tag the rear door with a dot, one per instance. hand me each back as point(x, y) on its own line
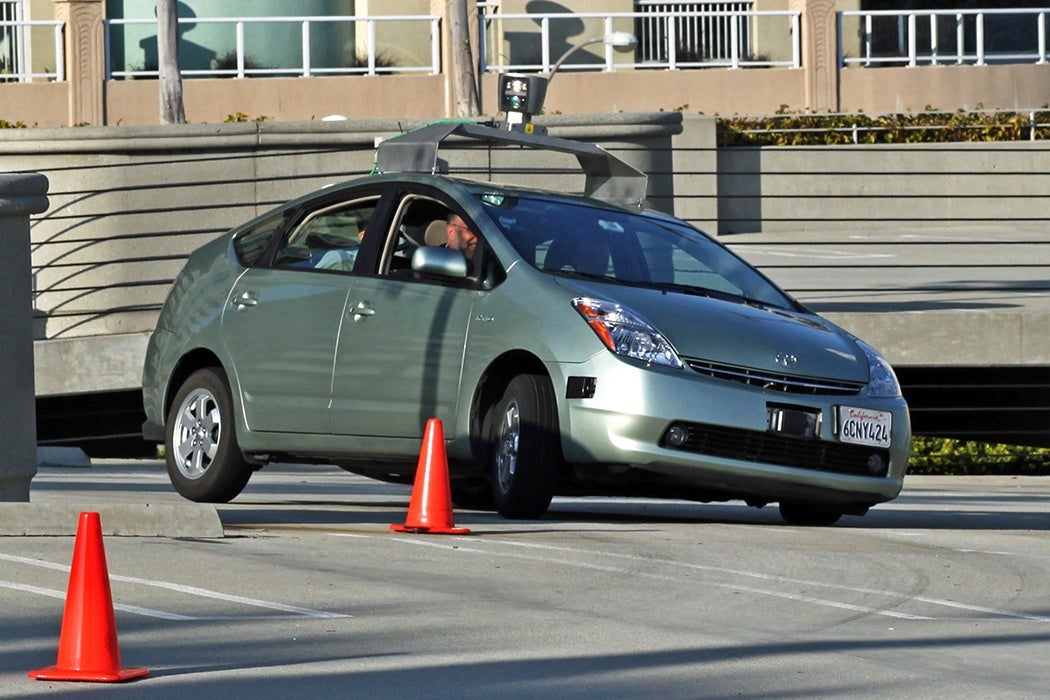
point(282, 321)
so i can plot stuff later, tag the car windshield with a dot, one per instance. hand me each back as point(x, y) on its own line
point(582, 241)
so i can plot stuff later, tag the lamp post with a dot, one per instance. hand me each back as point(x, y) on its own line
point(622, 41)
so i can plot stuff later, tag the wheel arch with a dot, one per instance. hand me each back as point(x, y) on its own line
point(187, 365)
point(490, 388)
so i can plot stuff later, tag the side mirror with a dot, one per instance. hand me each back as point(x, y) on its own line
point(442, 262)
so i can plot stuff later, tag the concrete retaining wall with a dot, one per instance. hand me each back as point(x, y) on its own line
point(811, 188)
point(950, 239)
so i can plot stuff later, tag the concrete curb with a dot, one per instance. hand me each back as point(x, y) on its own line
point(121, 520)
point(62, 457)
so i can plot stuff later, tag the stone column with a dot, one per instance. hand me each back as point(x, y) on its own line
point(819, 53)
point(20, 196)
point(85, 59)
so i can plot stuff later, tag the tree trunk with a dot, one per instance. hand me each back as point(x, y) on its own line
point(465, 84)
point(171, 107)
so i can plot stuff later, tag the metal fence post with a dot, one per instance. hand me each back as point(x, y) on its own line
point(20, 196)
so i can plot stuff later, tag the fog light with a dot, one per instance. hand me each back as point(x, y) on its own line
point(876, 465)
point(676, 436)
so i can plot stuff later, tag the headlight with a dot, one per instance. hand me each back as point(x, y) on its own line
point(882, 382)
point(623, 332)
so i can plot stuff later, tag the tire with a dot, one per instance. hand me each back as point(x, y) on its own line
point(808, 514)
point(205, 463)
point(525, 456)
point(472, 495)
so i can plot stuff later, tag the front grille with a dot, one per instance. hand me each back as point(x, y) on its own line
point(784, 383)
point(773, 448)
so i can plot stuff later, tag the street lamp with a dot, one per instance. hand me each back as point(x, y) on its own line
point(621, 41)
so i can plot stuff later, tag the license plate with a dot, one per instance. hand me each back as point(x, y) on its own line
point(865, 426)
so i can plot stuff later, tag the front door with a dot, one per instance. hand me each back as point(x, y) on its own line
point(400, 356)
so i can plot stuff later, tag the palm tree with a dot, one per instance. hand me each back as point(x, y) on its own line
point(465, 85)
point(171, 107)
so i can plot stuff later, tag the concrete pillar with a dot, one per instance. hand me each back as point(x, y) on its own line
point(85, 59)
point(819, 53)
point(20, 196)
point(695, 172)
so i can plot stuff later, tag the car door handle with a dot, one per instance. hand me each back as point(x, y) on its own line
point(245, 299)
point(360, 310)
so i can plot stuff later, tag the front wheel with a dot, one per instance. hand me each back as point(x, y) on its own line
point(526, 450)
point(205, 463)
point(809, 514)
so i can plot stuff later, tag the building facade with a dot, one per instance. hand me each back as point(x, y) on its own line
point(73, 62)
point(92, 62)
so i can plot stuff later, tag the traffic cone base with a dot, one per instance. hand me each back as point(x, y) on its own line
point(87, 644)
point(432, 530)
point(430, 510)
point(54, 673)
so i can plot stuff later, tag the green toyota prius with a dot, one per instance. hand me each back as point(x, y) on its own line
point(570, 345)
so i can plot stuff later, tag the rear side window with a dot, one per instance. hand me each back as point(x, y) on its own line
point(251, 244)
point(328, 239)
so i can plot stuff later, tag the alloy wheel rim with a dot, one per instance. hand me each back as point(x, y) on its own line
point(507, 447)
point(196, 433)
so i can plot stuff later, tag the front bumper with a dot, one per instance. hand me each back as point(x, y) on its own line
point(735, 454)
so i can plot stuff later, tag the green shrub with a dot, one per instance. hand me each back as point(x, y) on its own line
point(953, 457)
point(786, 128)
point(240, 117)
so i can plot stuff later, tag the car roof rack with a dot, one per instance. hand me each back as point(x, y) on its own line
point(608, 178)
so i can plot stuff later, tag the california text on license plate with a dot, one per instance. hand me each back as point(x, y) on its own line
point(865, 426)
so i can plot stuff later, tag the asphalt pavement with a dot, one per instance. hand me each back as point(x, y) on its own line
point(306, 592)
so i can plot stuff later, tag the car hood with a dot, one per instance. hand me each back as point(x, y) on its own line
point(739, 334)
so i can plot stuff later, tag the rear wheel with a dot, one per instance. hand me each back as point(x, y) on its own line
point(809, 514)
point(526, 454)
point(205, 463)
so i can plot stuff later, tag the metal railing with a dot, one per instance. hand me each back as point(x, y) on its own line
point(15, 63)
point(704, 33)
point(535, 41)
point(939, 37)
point(370, 62)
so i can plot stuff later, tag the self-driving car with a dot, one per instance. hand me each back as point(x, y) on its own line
point(581, 344)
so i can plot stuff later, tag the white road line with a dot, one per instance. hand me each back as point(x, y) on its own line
point(1021, 555)
point(803, 582)
point(749, 574)
point(179, 588)
point(52, 593)
point(664, 577)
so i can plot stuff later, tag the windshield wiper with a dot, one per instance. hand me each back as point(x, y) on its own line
point(719, 294)
point(693, 291)
point(584, 276)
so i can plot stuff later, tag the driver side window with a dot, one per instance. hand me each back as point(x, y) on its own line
point(420, 222)
point(424, 222)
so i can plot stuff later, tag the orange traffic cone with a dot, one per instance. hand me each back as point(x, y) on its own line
point(430, 510)
point(87, 645)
